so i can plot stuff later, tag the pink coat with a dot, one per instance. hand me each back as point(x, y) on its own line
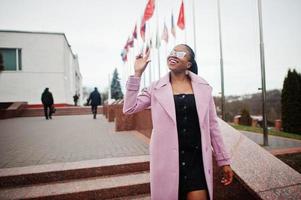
point(164, 154)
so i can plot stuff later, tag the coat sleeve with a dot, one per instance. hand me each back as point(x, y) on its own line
point(221, 154)
point(132, 101)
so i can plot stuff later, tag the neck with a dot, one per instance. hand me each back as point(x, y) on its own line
point(178, 77)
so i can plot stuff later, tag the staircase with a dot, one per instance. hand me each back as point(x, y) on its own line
point(113, 178)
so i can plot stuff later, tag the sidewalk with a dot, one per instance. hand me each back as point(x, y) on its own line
point(34, 141)
point(275, 142)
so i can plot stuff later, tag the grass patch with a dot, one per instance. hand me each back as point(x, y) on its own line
point(271, 131)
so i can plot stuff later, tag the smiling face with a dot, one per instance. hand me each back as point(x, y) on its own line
point(178, 59)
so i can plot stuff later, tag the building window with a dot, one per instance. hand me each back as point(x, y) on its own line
point(11, 59)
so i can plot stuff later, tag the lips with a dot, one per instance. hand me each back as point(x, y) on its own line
point(172, 60)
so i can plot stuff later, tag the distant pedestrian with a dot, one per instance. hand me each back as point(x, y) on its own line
point(75, 99)
point(47, 100)
point(95, 100)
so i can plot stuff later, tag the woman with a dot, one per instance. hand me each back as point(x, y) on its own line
point(184, 128)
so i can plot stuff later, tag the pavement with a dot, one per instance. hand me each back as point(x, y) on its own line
point(34, 140)
point(275, 142)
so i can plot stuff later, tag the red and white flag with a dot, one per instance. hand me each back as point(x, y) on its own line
point(181, 19)
point(149, 10)
point(130, 42)
point(123, 55)
point(142, 30)
point(135, 32)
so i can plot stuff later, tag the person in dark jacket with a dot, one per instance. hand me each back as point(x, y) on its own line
point(47, 100)
point(75, 99)
point(95, 100)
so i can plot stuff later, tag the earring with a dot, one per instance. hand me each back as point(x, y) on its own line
point(186, 72)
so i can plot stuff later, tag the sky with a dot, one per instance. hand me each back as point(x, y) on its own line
point(98, 29)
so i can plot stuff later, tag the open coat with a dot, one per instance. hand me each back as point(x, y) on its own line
point(164, 153)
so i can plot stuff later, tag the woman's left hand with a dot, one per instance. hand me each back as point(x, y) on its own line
point(227, 175)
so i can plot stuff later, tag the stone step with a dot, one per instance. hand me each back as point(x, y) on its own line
point(21, 176)
point(109, 187)
point(135, 197)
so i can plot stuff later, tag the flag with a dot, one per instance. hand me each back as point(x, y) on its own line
point(126, 46)
point(149, 10)
point(142, 30)
point(135, 32)
point(173, 28)
point(165, 34)
point(130, 42)
point(124, 55)
point(181, 19)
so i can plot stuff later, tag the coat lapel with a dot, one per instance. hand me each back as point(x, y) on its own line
point(163, 93)
point(202, 93)
point(201, 89)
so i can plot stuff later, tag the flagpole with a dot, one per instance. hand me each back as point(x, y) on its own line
point(263, 89)
point(185, 25)
point(144, 74)
point(158, 47)
point(123, 77)
point(166, 69)
point(129, 61)
point(174, 28)
point(194, 29)
point(139, 51)
point(149, 64)
point(109, 89)
point(221, 61)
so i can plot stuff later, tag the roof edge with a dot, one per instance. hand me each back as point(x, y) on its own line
point(40, 32)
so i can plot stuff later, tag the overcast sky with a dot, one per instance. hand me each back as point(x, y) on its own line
point(98, 29)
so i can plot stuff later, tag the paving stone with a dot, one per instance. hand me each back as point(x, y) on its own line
point(33, 140)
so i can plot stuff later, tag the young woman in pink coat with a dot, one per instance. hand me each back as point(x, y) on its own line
point(185, 128)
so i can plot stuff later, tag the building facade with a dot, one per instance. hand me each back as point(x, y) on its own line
point(35, 60)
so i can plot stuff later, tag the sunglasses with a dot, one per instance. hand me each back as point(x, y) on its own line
point(178, 54)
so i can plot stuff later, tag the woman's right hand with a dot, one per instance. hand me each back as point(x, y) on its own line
point(141, 63)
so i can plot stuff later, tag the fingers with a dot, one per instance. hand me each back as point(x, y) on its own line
point(147, 53)
point(225, 181)
point(227, 178)
point(139, 56)
point(145, 58)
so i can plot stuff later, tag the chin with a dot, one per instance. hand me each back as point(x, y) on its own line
point(172, 67)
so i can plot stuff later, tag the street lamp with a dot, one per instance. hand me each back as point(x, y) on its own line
point(221, 61)
point(263, 89)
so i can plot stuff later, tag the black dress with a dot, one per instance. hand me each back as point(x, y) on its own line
point(191, 170)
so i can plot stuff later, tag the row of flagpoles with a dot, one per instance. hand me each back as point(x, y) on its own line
point(145, 38)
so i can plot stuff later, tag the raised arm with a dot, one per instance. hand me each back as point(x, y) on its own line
point(132, 101)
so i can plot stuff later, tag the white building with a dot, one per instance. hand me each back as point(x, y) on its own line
point(36, 60)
